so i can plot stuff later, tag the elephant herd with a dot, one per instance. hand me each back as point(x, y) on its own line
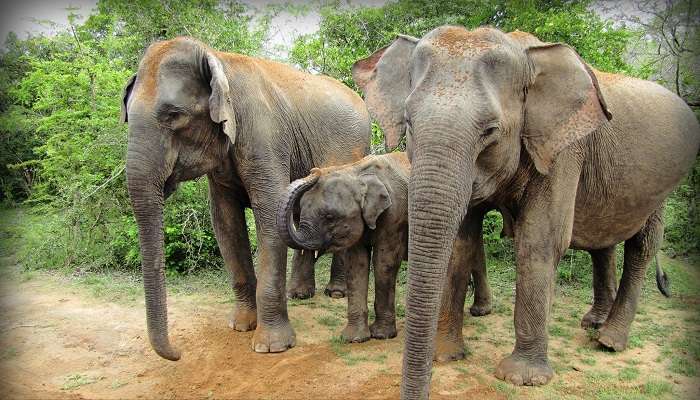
point(571, 156)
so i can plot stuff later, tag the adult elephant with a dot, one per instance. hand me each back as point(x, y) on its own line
point(251, 126)
point(579, 158)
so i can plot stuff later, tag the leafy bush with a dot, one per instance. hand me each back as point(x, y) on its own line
point(682, 216)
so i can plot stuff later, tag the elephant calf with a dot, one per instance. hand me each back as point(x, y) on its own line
point(362, 208)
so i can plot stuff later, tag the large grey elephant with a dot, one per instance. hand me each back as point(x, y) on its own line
point(363, 208)
point(579, 158)
point(251, 126)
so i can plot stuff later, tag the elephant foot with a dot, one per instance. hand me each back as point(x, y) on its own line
point(355, 334)
point(243, 318)
point(612, 338)
point(479, 309)
point(448, 349)
point(335, 290)
point(521, 371)
point(301, 291)
point(379, 330)
point(274, 339)
point(593, 320)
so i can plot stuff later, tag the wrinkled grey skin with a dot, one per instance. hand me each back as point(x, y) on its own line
point(363, 208)
point(251, 126)
point(579, 158)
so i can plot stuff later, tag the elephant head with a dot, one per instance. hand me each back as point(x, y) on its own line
point(478, 108)
point(335, 205)
point(181, 124)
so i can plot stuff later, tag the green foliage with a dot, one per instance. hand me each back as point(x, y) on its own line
point(63, 146)
point(346, 35)
point(682, 216)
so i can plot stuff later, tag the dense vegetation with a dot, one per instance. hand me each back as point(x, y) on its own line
point(62, 151)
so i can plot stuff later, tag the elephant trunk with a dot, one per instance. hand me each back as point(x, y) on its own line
point(302, 238)
point(439, 192)
point(146, 191)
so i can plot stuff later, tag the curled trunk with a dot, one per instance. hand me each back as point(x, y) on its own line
point(302, 238)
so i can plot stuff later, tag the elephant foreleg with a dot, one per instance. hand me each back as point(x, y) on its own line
point(303, 283)
point(639, 250)
point(228, 220)
point(543, 232)
point(274, 333)
point(357, 329)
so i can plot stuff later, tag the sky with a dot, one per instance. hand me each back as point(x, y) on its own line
point(23, 17)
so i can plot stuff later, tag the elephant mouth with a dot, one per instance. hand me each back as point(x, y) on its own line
point(317, 253)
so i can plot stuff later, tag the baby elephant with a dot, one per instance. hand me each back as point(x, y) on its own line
point(362, 208)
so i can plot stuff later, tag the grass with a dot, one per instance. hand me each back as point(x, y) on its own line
point(351, 356)
point(117, 384)
point(683, 366)
point(77, 380)
point(8, 353)
point(559, 331)
point(329, 321)
point(588, 361)
point(657, 388)
point(508, 390)
point(628, 374)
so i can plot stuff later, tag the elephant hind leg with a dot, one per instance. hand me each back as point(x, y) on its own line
point(482, 290)
point(639, 250)
point(604, 287)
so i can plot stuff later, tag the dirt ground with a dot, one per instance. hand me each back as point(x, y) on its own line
point(63, 339)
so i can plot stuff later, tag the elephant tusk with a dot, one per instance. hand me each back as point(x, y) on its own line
point(316, 254)
point(302, 252)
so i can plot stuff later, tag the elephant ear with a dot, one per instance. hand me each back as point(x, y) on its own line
point(563, 105)
point(126, 93)
point(220, 106)
point(385, 80)
point(375, 199)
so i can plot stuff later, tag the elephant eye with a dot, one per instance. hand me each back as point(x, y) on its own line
point(328, 217)
point(489, 132)
point(407, 119)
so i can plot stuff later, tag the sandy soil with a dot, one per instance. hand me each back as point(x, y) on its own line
point(59, 340)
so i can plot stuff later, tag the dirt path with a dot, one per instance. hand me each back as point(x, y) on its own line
point(64, 344)
point(59, 340)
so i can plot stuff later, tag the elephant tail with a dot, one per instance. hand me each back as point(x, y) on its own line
point(662, 281)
